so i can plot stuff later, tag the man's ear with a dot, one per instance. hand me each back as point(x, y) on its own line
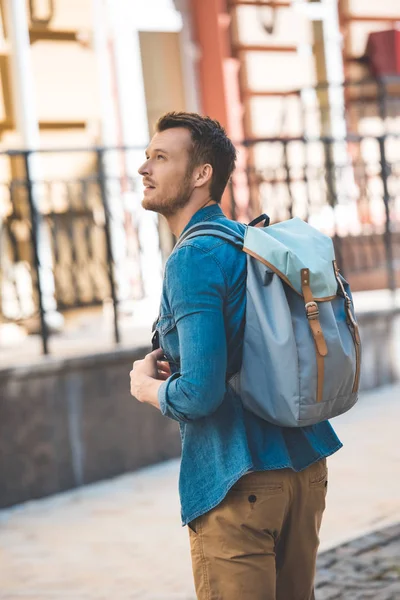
point(203, 175)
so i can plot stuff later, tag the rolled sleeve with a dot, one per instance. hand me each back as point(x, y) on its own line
point(165, 405)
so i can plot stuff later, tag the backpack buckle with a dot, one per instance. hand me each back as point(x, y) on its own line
point(312, 310)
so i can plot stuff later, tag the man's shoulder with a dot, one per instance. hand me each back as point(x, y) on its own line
point(201, 251)
point(213, 244)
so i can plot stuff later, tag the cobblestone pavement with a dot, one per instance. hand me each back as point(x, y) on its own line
point(122, 540)
point(368, 567)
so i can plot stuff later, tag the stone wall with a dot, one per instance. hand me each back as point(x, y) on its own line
point(65, 423)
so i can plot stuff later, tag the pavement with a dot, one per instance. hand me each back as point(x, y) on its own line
point(121, 539)
point(368, 567)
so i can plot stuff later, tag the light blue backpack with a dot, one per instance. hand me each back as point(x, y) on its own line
point(301, 352)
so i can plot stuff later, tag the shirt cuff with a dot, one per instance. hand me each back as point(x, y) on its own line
point(163, 399)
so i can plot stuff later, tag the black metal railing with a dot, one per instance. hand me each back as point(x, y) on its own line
point(333, 157)
point(74, 226)
point(70, 217)
point(348, 187)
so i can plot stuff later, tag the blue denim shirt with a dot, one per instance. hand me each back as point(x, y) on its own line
point(200, 329)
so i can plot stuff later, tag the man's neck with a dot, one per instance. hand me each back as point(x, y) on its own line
point(178, 222)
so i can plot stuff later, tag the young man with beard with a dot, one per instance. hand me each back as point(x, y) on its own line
point(252, 493)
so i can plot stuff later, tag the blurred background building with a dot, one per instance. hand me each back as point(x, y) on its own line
point(308, 90)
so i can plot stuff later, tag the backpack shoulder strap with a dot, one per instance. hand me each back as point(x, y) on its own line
point(214, 229)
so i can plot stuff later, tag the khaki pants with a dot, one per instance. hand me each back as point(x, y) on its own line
point(261, 542)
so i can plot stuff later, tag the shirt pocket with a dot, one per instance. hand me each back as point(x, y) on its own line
point(165, 323)
point(169, 341)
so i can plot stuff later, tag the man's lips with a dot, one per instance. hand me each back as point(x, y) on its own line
point(148, 189)
point(148, 185)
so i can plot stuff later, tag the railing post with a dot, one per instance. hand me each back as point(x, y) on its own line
point(110, 262)
point(287, 173)
point(305, 177)
point(35, 222)
point(382, 95)
point(386, 199)
point(330, 172)
point(332, 196)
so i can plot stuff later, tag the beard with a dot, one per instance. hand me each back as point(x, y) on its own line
point(169, 204)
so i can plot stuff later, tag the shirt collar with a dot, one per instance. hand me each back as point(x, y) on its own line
point(204, 214)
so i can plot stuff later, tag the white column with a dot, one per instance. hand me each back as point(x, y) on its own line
point(190, 53)
point(28, 130)
point(330, 71)
point(107, 99)
point(111, 138)
point(346, 210)
point(333, 59)
point(135, 133)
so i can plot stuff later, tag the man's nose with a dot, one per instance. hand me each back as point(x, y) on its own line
point(144, 169)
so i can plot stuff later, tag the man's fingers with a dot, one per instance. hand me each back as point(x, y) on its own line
point(163, 364)
point(156, 354)
point(163, 367)
point(163, 376)
point(164, 370)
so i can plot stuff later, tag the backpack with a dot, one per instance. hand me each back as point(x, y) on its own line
point(301, 351)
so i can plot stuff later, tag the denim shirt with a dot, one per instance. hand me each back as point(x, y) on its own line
point(200, 329)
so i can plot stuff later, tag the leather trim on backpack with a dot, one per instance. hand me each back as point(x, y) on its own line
point(312, 312)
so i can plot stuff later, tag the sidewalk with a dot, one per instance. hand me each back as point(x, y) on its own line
point(365, 568)
point(122, 539)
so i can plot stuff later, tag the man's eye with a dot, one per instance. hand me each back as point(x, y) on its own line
point(160, 156)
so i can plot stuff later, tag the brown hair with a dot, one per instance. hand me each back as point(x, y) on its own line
point(210, 144)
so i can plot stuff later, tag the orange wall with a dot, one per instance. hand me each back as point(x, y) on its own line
point(220, 93)
point(209, 33)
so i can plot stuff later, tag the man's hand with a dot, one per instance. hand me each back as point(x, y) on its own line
point(147, 376)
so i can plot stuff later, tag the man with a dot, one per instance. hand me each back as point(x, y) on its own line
point(252, 493)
